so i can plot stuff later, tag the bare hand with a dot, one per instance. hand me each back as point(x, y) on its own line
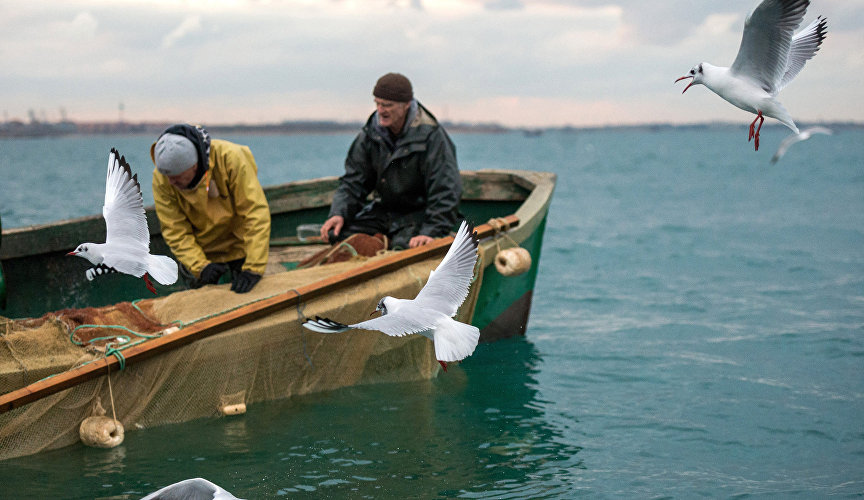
point(335, 223)
point(419, 241)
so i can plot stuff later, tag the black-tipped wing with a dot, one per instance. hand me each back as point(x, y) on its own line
point(325, 325)
point(125, 222)
point(448, 284)
point(767, 38)
point(805, 44)
point(394, 325)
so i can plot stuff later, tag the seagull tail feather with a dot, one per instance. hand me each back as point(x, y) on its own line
point(162, 268)
point(780, 114)
point(455, 341)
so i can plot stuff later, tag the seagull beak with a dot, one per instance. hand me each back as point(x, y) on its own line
point(71, 253)
point(688, 85)
point(373, 313)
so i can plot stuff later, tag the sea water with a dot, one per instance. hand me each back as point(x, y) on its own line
point(697, 330)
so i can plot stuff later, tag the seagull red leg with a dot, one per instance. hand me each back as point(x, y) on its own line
point(752, 129)
point(443, 365)
point(761, 120)
point(149, 284)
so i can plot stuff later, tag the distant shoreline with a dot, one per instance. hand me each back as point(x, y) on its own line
point(19, 129)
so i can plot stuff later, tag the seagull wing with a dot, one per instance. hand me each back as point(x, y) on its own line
point(764, 51)
point(784, 146)
point(325, 325)
point(792, 139)
point(409, 319)
point(125, 222)
point(448, 284)
point(818, 130)
point(805, 44)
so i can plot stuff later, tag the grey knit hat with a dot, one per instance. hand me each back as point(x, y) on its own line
point(174, 154)
point(394, 87)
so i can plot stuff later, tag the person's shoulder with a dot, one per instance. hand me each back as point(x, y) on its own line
point(160, 185)
point(158, 179)
point(424, 126)
point(220, 148)
point(222, 144)
point(425, 118)
point(367, 131)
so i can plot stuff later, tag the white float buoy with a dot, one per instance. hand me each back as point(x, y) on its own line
point(513, 261)
point(101, 432)
point(233, 409)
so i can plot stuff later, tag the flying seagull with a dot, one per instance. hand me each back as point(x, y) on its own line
point(127, 242)
point(191, 489)
point(792, 139)
point(430, 313)
point(769, 58)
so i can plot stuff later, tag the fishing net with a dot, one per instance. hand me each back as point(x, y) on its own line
point(269, 358)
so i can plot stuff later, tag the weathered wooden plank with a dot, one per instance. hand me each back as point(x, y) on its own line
point(301, 195)
point(491, 186)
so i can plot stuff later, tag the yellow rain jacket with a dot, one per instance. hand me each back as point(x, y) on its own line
point(224, 218)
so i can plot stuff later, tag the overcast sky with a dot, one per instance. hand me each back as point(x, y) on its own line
point(513, 62)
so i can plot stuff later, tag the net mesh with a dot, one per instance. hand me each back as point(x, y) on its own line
point(269, 358)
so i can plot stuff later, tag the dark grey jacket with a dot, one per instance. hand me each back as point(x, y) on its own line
point(417, 172)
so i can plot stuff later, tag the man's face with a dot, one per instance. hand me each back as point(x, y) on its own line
point(181, 180)
point(391, 114)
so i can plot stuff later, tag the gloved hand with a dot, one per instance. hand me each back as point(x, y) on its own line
point(211, 273)
point(245, 281)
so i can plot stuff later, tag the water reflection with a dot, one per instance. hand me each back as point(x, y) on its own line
point(474, 431)
point(235, 435)
point(104, 462)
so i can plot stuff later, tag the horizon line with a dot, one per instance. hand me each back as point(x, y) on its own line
point(18, 128)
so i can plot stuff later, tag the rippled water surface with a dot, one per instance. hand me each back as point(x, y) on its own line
point(696, 331)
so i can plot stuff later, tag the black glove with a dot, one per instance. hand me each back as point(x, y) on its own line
point(245, 281)
point(211, 273)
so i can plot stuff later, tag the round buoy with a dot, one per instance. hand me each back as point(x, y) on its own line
point(513, 261)
point(233, 409)
point(101, 432)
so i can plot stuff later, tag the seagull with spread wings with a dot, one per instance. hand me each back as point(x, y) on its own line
point(430, 313)
point(769, 57)
point(127, 241)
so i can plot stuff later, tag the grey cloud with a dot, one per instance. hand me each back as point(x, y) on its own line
point(666, 22)
point(243, 58)
point(504, 5)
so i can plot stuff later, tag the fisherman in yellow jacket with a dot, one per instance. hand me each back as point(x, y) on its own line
point(211, 206)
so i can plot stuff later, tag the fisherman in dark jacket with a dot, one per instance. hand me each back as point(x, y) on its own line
point(409, 161)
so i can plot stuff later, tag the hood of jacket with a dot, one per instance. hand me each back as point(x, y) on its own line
point(200, 138)
point(419, 123)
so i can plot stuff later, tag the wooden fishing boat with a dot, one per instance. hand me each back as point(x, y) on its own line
point(79, 347)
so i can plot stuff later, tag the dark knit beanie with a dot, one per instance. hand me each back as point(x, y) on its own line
point(394, 87)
